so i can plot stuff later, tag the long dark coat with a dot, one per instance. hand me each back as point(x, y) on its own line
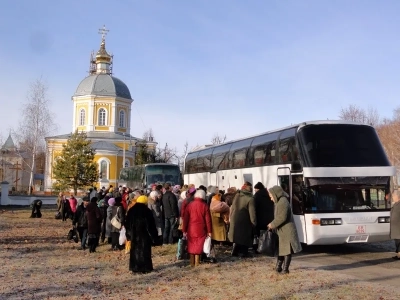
point(94, 218)
point(197, 224)
point(242, 219)
point(284, 224)
point(395, 221)
point(264, 209)
point(141, 231)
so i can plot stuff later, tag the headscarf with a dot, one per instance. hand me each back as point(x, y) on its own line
point(111, 201)
point(183, 195)
point(153, 195)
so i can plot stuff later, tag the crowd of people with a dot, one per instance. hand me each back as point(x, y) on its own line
point(188, 216)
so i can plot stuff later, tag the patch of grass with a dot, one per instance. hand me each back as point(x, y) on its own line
point(39, 263)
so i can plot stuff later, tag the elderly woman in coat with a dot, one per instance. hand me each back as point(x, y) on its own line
point(154, 204)
point(196, 226)
point(284, 225)
point(395, 223)
point(243, 220)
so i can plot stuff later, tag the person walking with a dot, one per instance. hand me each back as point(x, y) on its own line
point(285, 228)
point(395, 223)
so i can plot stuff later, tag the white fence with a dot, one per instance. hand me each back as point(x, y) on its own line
point(22, 200)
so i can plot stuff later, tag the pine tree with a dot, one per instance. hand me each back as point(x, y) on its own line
point(75, 168)
point(142, 155)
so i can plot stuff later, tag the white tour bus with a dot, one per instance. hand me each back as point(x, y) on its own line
point(336, 173)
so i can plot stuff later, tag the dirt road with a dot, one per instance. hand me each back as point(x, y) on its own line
point(365, 262)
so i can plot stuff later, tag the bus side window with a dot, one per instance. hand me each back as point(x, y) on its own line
point(239, 158)
point(259, 155)
point(286, 141)
point(271, 153)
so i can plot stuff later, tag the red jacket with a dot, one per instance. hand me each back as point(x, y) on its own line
point(197, 225)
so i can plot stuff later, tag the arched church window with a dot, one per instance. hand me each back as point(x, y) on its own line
point(122, 119)
point(82, 117)
point(103, 169)
point(102, 117)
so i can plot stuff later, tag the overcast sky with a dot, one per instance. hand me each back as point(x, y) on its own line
point(196, 68)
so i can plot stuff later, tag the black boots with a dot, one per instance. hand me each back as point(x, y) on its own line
point(286, 264)
point(279, 262)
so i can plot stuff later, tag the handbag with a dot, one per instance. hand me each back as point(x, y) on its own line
point(115, 221)
point(267, 242)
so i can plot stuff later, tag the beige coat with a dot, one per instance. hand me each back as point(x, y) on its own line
point(284, 224)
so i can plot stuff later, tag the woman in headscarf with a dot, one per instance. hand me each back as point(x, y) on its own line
point(116, 210)
point(154, 204)
point(110, 203)
point(141, 231)
point(196, 226)
point(285, 228)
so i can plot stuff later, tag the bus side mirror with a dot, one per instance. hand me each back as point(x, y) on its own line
point(296, 167)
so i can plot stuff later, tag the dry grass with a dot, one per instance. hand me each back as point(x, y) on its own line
point(39, 263)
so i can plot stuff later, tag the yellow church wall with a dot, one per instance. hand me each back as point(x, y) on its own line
point(109, 112)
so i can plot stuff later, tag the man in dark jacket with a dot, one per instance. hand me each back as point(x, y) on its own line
point(36, 205)
point(81, 223)
point(264, 209)
point(171, 213)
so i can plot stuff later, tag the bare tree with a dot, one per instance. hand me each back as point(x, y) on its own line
point(35, 124)
point(148, 135)
point(183, 156)
point(360, 115)
point(218, 139)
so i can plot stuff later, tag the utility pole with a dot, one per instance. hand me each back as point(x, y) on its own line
point(123, 154)
point(16, 168)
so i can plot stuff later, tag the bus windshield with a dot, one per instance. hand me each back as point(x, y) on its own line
point(345, 198)
point(160, 174)
point(343, 145)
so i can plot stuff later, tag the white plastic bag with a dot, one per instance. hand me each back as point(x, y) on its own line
point(207, 245)
point(122, 236)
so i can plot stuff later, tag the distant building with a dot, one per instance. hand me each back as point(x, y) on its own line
point(13, 166)
point(102, 108)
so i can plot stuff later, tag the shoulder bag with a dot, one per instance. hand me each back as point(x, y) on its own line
point(115, 221)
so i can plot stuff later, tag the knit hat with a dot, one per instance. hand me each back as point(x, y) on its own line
point(176, 189)
point(192, 190)
point(259, 186)
point(111, 201)
point(142, 199)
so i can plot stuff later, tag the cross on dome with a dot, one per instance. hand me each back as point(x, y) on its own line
point(103, 31)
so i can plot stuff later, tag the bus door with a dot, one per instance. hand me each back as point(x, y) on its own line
point(292, 185)
point(213, 179)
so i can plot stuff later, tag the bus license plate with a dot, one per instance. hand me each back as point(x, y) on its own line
point(361, 229)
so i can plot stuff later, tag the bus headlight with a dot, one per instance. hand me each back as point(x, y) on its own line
point(333, 221)
point(383, 219)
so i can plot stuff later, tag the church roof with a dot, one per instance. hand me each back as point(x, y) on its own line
point(103, 85)
point(99, 135)
point(9, 144)
point(105, 146)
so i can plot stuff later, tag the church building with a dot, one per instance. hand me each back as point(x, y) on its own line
point(102, 108)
